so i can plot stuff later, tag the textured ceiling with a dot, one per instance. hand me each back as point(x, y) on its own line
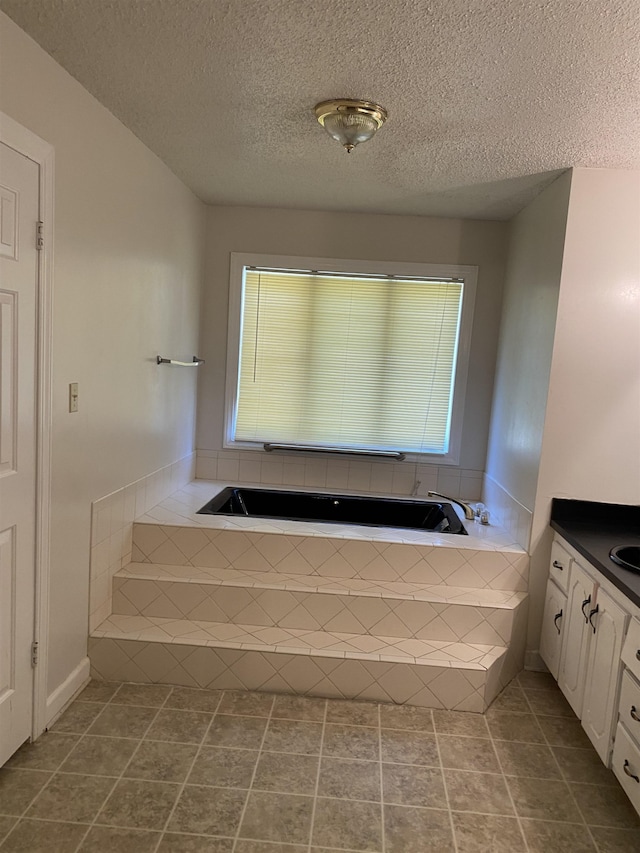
point(486, 98)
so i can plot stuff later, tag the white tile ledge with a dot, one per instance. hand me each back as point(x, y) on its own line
point(465, 656)
point(441, 594)
point(180, 509)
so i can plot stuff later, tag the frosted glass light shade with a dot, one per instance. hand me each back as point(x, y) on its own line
point(350, 122)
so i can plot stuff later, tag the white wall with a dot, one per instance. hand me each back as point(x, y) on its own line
point(532, 283)
point(340, 235)
point(591, 446)
point(127, 274)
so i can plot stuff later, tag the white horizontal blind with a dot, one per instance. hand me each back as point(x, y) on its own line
point(347, 361)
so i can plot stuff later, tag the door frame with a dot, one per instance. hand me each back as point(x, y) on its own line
point(30, 145)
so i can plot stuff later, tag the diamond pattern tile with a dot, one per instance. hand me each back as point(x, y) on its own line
point(377, 613)
point(392, 609)
point(335, 644)
point(328, 550)
point(211, 668)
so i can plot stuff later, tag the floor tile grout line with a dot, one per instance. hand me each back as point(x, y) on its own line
point(310, 796)
point(506, 783)
point(127, 763)
point(382, 804)
point(253, 775)
point(444, 785)
point(324, 796)
point(562, 776)
point(4, 837)
point(183, 785)
point(53, 772)
point(81, 735)
point(317, 785)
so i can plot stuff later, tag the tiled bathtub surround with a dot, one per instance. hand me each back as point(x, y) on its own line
point(324, 554)
point(181, 510)
point(160, 770)
point(273, 599)
point(317, 609)
point(111, 528)
point(381, 476)
point(289, 664)
point(507, 512)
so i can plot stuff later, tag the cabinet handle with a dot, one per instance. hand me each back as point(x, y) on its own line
point(638, 655)
point(555, 620)
point(634, 714)
point(586, 618)
point(625, 767)
point(593, 613)
point(557, 565)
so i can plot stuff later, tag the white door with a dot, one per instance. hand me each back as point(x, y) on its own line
point(576, 636)
point(19, 178)
point(603, 673)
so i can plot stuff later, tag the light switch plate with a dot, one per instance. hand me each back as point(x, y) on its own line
point(73, 396)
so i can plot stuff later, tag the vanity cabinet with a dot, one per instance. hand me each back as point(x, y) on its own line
point(555, 614)
point(626, 765)
point(625, 762)
point(599, 637)
point(555, 608)
point(629, 709)
point(584, 627)
point(560, 566)
point(576, 636)
point(608, 623)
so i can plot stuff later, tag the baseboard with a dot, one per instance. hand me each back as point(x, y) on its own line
point(534, 662)
point(65, 692)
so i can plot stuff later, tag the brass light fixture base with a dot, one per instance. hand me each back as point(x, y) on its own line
point(350, 121)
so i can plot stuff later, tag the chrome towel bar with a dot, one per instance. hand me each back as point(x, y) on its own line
point(308, 448)
point(196, 361)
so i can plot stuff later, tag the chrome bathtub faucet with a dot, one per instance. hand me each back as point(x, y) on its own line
point(469, 514)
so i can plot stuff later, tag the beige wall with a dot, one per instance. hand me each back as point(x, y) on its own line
point(532, 283)
point(127, 275)
point(590, 447)
point(341, 235)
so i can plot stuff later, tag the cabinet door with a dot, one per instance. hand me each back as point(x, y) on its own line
point(607, 626)
point(560, 566)
point(555, 607)
point(576, 637)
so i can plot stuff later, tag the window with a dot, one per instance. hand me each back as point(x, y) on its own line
point(360, 356)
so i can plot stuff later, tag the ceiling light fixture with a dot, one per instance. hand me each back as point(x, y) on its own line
point(350, 121)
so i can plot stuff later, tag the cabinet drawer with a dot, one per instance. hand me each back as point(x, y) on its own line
point(631, 648)
point(630, 705)
point(559, 567)
point(626, 765)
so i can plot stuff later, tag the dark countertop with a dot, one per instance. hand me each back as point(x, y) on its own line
point(593, 529)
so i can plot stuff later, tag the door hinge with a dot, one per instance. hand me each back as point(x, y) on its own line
point(39, 235)
point(34, 653)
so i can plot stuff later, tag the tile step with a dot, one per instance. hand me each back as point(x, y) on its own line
point(271, 599)
point(335, 644)
point(319, 554)
point(412, 591)
point(454, 676)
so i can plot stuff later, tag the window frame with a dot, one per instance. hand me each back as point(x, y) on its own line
point(467, 274)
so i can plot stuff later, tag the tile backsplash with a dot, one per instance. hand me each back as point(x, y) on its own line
point(335, 472)
point(112, 525)
point(112, 516)
point(507, 512)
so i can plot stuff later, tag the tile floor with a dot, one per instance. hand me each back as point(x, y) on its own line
point(155, 769)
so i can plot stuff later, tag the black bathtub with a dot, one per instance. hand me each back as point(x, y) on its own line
point(339, 509)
